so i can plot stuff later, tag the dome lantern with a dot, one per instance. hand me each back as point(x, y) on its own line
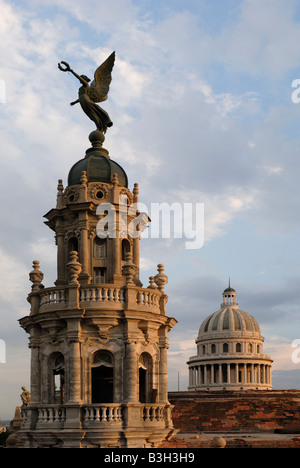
point(229, 296)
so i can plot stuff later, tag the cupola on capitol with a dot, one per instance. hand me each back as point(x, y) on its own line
point(230, 351)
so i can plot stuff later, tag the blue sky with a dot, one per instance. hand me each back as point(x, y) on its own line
point(202, 111)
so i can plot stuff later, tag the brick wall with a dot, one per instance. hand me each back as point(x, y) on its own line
point(239, 442)
point(236, 411)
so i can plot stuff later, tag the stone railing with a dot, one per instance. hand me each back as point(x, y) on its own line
point(99, 296)
point(148, 298)
point(230, 356)
point(53, 296)
point(51, 414)
point(152, 412)
point(107, 293)
point(102, 413)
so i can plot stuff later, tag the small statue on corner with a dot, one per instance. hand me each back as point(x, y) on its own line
point(25, 396)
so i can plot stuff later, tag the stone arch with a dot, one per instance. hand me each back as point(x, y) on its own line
point(56, 375)
point(126, 248)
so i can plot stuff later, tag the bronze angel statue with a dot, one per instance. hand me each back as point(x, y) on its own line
point(97, 91)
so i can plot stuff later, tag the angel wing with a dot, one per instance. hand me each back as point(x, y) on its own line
point(102, 78)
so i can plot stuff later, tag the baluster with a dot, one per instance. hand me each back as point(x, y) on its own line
point(93, 294)
point(116, 295)
point(103, 413)
point(43, 418)
point(110, 414)
point(104, 291)
point(110, 294)
point(97, 413)
point(121, 295)
point(63, 295)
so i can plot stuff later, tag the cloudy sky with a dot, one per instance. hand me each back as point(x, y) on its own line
point(202, 106)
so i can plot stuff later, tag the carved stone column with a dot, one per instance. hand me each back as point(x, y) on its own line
point(131, 384)
point(163, 371)
point(74, 373)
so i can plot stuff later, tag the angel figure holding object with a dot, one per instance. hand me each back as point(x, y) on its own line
point(97, 91)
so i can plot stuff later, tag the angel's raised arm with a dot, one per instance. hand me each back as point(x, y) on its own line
point(67, 68)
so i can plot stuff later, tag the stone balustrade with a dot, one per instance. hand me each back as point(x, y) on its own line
point(101, 294)
point(51, 414)
point(53, 296)
point(152, 412)
point(102, 413)
point(147, 298)
point(95, 415)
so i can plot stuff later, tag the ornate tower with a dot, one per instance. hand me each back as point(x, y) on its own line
point(98, 339)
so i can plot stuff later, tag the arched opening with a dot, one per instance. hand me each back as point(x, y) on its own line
point(99, 248)
point(73, 244)
point(225, 348)
point(238, 348)
point(125, 249)
point(146, 394)
point(57, 383)
point(102, 378)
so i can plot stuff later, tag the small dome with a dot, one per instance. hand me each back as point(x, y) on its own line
point(98, 168)
point(97, 164)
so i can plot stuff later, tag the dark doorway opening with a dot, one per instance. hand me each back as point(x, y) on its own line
point(142, 385)
point(102, 384)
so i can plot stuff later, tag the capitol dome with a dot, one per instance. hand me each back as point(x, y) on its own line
point(230, 351)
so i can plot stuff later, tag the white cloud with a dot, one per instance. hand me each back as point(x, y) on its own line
point(13, 279)
point(281, 351)
point(263, 40)
point(273, 169)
